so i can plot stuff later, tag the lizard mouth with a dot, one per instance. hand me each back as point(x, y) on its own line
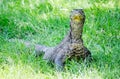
point(77, 18)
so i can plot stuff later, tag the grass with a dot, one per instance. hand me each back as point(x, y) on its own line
point(47, 22)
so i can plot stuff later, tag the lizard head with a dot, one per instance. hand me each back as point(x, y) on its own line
point(77, 16)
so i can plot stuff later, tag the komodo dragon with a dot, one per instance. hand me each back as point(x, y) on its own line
point(71, 46)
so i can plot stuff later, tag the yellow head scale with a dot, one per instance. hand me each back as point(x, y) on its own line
point(77, 18)
point(77, 15)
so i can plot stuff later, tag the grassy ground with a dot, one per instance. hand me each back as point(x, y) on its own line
point(47, 22)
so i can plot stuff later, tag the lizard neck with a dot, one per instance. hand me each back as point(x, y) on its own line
point(76, 31)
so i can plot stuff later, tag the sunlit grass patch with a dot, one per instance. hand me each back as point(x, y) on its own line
point(19, 71)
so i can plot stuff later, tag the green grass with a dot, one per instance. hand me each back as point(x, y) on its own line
point(47, 22)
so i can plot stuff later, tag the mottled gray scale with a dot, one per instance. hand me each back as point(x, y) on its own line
point(71, 46)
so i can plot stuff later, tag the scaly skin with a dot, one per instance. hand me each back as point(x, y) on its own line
point(72, 45)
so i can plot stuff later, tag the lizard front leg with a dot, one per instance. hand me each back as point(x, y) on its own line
point(87, 54)
point(59, 61)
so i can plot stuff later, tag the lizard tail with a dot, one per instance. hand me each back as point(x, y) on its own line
point(39, 49)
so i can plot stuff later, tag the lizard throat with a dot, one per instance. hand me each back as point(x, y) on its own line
point(76, 31)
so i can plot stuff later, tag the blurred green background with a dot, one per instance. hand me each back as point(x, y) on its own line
point(46, 22)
